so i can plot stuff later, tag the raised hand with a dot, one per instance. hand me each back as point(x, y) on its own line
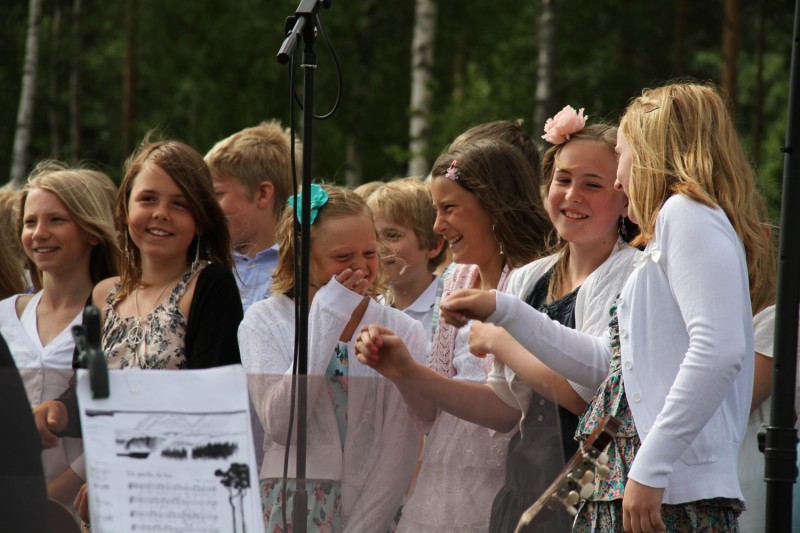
point(50, 417)
point(354, 280)
point(463, 305)
point(382, 350)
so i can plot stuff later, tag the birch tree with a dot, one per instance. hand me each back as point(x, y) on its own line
point(545, 69)
point(421, 78)
point(22, 137)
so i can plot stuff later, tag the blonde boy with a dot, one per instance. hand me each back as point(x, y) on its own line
point(404, 217)
point(252, 172)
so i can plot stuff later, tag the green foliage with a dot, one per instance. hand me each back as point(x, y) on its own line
point(205, 70)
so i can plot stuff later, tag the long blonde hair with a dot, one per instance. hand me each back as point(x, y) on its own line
point(683, 141)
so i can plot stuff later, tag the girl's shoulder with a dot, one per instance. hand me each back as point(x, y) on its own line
point(19, 302)
point(103, 289)
point(525, 277)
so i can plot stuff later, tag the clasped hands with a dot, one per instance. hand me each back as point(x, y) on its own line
point(382, 350)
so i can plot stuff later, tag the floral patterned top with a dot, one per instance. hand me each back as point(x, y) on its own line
point(337, 387)
point(610, 400)
point(155, 341)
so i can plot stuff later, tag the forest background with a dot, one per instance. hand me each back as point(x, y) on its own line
point(84, 80)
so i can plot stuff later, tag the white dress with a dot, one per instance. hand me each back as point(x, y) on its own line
point(45, 370)
point(463, 464)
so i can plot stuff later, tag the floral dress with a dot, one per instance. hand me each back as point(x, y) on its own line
point(603, 511)
point(155, 341)
point(324, 495)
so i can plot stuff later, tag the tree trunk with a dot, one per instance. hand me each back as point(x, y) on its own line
point(545, 70)
point(55, 77)
point(22, 136)
point(74, 86)
point(731, 25)
point(129, 80)
point(679, 46)
point(353, 171)
point(421, 77)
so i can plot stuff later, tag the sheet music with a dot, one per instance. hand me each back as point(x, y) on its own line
point(171, 451)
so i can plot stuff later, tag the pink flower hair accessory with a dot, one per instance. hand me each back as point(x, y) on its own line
point(452, 170)
point(567, 122)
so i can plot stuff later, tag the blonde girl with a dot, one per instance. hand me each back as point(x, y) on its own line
point(66, 228)
point(361, 442)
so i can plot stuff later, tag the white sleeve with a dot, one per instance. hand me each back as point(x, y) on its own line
point(577, 356)
point(764, 331)
point(390, 476)
point(266, 343)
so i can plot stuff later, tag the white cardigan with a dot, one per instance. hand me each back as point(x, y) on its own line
point(686, 334)
point(380, 446)
point(592, 304)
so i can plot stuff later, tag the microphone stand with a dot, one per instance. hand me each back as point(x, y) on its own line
point(302, 26)
point(780, 453)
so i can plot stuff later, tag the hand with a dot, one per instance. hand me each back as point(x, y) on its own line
point(354, 280)
point(485, 338)
point(382, 350)
point(464, 304)
point(81, 503)
point(50, 416)
point(641, 508)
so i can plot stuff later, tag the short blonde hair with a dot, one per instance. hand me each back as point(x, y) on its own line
point(683, 141)
point(85, 195)
point(257, 154)
point(341, 202)
point(408, 202)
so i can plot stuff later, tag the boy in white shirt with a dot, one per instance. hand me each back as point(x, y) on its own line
point(404, 217)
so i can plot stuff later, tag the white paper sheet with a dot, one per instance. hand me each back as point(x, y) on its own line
point(171, 451)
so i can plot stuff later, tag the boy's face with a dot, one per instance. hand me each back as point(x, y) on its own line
point(240, 209)
point(409, 262)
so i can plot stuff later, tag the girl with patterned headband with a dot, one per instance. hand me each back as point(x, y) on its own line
point(489, 210)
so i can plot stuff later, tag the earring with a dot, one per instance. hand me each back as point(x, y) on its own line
point(623, 230)
point(502, 252)
point(126, 251)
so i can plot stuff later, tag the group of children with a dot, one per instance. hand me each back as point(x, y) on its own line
point(617, 275)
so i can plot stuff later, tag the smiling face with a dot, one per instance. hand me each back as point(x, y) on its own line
point(582, 201)
point(409, 260)
point(464, 222)
point(343, 242)
point(160, 222)
point(51, 238)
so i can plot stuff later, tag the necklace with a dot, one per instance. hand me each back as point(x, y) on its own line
point(136, 333)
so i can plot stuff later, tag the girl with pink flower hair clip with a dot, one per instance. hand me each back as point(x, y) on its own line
point(676, 363)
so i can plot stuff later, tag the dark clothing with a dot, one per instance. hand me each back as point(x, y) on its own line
point(536, 459)
point(23, 491)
